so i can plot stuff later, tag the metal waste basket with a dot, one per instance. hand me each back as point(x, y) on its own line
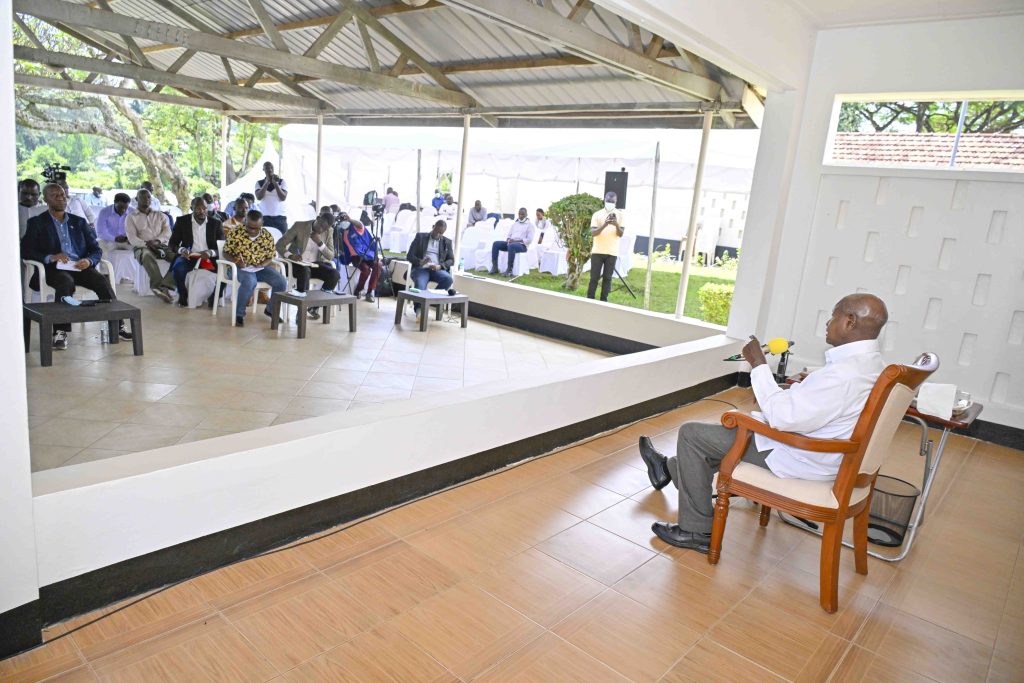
point(892, 505)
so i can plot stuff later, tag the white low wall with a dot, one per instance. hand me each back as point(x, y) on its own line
point(95, 514)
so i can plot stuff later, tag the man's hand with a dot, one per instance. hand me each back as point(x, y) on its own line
point(83, 263)
point(753, 354)
point(434, 266)
point(240, 262)
point(59, 257)
point(152, 244)
point(316, 239)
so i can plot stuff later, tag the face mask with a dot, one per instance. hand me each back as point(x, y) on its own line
point(609, 205)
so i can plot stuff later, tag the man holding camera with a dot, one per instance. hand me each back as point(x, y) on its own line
point(310, 242)
point(148, 232)
point(272, 192)
point(361, 251)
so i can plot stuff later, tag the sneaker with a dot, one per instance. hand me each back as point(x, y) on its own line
point(507, 273)
point(314, 313)
point(123, 333)
point(369, 297)
point(239, 321)
point(60, 340)
point(163, 293)
point(493, 270)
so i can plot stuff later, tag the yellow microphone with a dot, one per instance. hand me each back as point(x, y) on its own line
point(777, 347)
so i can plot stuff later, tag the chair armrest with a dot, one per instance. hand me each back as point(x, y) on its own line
point(733, 419)
point(283, 266)
point(230, 269)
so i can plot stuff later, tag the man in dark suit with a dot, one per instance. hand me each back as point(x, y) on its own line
point(432, 257)
point(57, 237)
point(194, 236)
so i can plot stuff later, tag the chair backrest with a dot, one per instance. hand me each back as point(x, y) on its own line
point(220, 248)
point(886, 405)
point(275, 233)
point(405, 219)
point(502, 228)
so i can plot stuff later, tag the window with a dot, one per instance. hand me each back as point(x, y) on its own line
point(950, 134)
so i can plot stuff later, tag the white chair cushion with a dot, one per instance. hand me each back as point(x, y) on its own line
point(817, 493)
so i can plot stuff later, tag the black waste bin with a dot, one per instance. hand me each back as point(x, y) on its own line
point(892, 505)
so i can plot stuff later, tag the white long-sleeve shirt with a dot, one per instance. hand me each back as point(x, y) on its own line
point(825, 405)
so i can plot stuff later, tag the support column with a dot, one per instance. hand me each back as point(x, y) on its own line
point(419, 197)
point(462, 186)
point(577, 175)
point(224, 124)
point(319, 156)
point(691, 230)
point(650, 235)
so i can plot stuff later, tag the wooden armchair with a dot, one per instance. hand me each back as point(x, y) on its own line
point(830, 503)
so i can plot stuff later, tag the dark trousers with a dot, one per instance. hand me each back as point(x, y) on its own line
point(180, 268)
point(421, 277)
point(367, 270)
point(65, 281)
point(602, 267)
point(512, 248)
point(279, 222)
point(321, 271)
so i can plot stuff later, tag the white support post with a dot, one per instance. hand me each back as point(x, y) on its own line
point(650, 235)
point(319, 156)
point(419, 197)
point(462, 186)
point(691, 230)
point(224, 123)
point(577, 175)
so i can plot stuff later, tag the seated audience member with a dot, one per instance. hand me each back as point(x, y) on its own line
point(194, 237)
point(77, 207)
point(432, 257)
point(95, 200)
point(437, 201)
point(548, 236)
point(391, 202)
point(148, 233)
point(252, 250)
point(361, 251)
point(449, 210)
point(237, 218)
point(520, 236)
point(213, 208)
point(58, 237)
point(28, 203)
point(826, 405)
point(110, 224)
point(310, 242)
point(477, 213)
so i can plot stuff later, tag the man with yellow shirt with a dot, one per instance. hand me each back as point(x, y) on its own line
point(607, 227)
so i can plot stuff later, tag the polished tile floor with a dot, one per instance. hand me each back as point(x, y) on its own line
point(549, 572)
point(201, 378)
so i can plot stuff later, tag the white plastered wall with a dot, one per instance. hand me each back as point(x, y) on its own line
point(944, 249)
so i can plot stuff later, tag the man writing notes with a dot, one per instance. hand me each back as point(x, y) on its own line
point(432, 257)
point(272, 192)
point(310, 242)
point(826, 405)
point(607, 227)
point(252, 250)
point(520, 236)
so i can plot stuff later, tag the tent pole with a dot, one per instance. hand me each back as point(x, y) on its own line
point(462, 187)
point(319, 156)
point(650, 235)
point(577, 175)
point(224, 123)
point(419, 174)
point(348, 184)
point(691, 230)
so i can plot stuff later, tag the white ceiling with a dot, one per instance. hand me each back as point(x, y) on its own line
point(834, 13)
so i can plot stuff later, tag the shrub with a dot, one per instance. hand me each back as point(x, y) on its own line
point(572, 216)
point(715, 302)
point(727, 262)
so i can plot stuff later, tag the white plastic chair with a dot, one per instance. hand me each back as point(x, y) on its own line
point(140, 280)
point(227, 273)
point(473, 239)
point(46, 292)
point(482, 258)
point(625, 260)
point(123, 261)
point(553, 261)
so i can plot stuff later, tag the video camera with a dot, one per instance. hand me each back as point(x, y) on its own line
point(372, 200)
point(55, 173)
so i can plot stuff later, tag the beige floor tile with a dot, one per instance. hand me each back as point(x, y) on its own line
point(141, 437)
point(631, 520)
point(390, 380)
point(42, 663)
point(203, 434)
point(110, 410)
point(709, 662)
point(173, 414)
point(597, 553)
point(619, 478)
point(68, 432)
point(94, 454)
point(573, 494)
point(430, 369)
point(464, 547)
point(419, 515)
point(549, 658)
point(635, 640)
point(237, 583)
point(48, 457)
point(522, 519)
point(237, 420)
point(141, 391)
point(373, 394)
point(341, 546)
point(305, 405)
point(330, 390)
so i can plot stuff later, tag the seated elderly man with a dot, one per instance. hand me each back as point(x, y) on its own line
point(826, 405)
point(477, 213)
point(148, 233)
point(360, 250)
point(520, 236)
point(67, 247)
point(310, 242)
point(252, 250)
point(110, 222)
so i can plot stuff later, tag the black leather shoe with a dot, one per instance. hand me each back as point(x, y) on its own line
point(657, 469)
point(124, 333)
point(680, 538)
point(239, 321)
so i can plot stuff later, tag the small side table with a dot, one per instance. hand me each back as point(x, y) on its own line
point(325, 300)
point(50, 314)
point(431, 298)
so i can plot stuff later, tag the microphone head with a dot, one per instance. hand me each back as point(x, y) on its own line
point(778, 345)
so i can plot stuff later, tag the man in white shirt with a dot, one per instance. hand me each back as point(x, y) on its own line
point(520, 237)
point(77, 207)
point(477, 213)
point(272, 191)
point(29, 205)
point(826, 405)
point(448, 210)
point(148, 234)
point(95, 200)
point(548, 235)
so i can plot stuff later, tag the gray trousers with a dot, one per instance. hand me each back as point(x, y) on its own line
point(699, 452)
point(149, 261)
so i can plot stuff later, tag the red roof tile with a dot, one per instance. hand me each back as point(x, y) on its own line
point(976, 150)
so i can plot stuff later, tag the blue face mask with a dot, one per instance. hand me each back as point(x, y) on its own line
point(609, 205)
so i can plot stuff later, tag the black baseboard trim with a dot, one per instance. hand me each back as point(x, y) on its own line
point(1002, 435)
point(557, 330)
point(20, 629)
point(101, 587)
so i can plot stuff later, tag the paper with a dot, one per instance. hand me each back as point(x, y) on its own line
point(253, 269)
point(70, 265)
point(308, 264)
point(936, 399)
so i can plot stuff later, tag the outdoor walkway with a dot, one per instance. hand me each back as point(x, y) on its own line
point(549, 572)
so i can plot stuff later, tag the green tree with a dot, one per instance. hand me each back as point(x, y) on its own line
point(931, 117)
point(571, 215)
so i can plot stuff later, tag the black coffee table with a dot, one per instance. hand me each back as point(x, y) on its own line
point(431, 297)
point(50, 314)
point(325, 300)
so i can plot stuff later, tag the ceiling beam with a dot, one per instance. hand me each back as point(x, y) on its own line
point(600, 108)
point(547, 27)
point(267, 24)
point(133, 47)
point(175, 67)
point(384, 11)
point(34, 39)
point(69, 61)
point(80, 15)
point(229, 71)
point(371, 54)
point(580, 11)
point(113, 91)
point(328, 34)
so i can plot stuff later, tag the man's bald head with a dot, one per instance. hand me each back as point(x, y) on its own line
point(855, 318)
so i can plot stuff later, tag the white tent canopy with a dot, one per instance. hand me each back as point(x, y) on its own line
point(510, 168)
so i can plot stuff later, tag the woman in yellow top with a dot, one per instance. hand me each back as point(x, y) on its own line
point(607, 227)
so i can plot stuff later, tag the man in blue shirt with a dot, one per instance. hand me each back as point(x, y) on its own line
point(110, 224)
point(67, 247)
